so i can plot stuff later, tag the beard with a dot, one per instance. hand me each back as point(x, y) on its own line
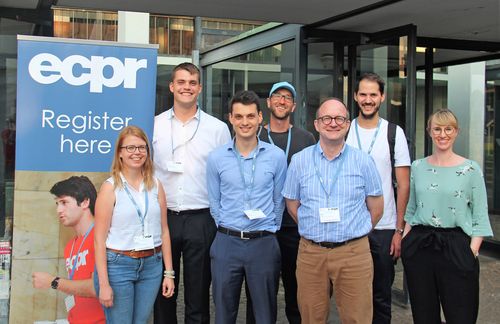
point(284, 116)
point(371, 115)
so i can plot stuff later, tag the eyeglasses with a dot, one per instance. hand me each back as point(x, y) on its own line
point(327, 120)
point(133, 148)
point(278, 96)
point(448, 130)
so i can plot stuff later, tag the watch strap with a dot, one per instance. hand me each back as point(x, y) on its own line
point(55, 283)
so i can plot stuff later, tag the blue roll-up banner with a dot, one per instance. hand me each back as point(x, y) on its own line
point(74, 97)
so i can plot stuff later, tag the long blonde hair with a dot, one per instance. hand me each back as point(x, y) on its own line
point(117, 165)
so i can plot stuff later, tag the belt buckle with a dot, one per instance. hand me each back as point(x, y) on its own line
point(133, 253)
point(242, 236)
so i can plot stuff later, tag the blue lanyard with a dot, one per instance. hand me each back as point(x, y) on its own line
point(336, 174)
point(71, 274)
point(373, 139)
point(139, 213)
point(248, 187)
point(289, 138)
point(172, 134)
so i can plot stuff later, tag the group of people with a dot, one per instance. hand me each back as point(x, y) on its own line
point(330, 217)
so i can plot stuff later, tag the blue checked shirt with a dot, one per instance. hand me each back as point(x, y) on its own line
point(357, 179)
point(226, 189)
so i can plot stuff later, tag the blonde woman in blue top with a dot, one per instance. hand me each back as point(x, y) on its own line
point(131, 234)
point(446, 220)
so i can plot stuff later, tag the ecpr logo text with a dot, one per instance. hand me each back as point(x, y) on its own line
point(46, 68)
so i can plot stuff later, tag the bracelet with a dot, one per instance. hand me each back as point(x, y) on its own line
point(169, 274)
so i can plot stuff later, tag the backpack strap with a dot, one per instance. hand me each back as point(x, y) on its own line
point(391, 139)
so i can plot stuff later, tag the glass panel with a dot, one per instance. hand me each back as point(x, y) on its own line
point(62, 24)
point(388, 61)
point(95, 25)
point(9, 29)
point(491, 165)
point(255, 71)
point(109, 26)
point(84, 24)
point(319, 78)
point(80, 25)
point(472, 92)
point(174, 43)
point(187, 42)
point(164, 98)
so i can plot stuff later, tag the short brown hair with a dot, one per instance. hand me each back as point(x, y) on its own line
point(186, 66)
point(372, 77)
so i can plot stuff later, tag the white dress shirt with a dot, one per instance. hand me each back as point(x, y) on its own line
point(188, 143)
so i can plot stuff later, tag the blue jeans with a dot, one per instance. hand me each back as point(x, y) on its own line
point(135, 283)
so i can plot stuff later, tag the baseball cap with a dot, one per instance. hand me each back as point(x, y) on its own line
point(283, 85)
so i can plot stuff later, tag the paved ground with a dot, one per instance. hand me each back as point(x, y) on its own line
point(489, 311)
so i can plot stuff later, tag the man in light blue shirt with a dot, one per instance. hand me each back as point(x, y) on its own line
point(334, 193)
point(244, 179)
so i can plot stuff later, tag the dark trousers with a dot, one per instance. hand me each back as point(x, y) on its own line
point(258, 261)
point(191, 236)
point(383, 274)
point(288, 239)
point(441, 270)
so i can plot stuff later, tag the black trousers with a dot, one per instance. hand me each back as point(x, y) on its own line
point(288, 239)
point(191, 234)
point(383, 274)
point(441, 270)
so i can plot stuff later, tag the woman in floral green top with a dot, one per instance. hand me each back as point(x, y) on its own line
point(446, 220)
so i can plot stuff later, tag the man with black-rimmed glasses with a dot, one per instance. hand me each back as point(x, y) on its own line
point(334, 193)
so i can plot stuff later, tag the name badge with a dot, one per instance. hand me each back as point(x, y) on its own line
point(69, 301)
point(143, 242)
point(329, 215)
point(177, 167)
point(254, 213)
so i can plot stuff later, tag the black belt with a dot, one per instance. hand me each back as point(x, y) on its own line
point(244, 235)
point(188, 212)
point(332, 245)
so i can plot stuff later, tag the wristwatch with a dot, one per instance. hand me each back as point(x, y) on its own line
point(400, 231)
point(55, 283)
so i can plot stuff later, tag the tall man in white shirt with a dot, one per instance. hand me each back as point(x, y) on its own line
point(183, 137)
point(369, 133)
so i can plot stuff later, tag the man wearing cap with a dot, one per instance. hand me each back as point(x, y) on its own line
point(291, 139)
point(244, 180)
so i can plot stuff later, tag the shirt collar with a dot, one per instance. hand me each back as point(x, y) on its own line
point(260, 147)
point(171, 113)
point(320, 151)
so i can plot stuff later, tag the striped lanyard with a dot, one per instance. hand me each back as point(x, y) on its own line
point(373, 138)
point(289, 138)
point(249, 186)
point(71, 273)
point(139, 213)
point(334, 179)
point(189, 140)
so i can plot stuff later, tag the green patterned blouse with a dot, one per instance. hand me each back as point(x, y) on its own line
point(449, 197)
